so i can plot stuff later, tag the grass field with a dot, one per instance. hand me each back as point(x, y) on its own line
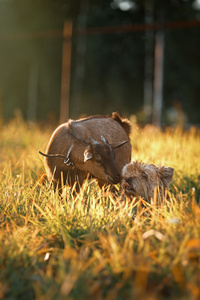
point(90, 245)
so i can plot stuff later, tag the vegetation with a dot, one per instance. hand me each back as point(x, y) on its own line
point(92, 245)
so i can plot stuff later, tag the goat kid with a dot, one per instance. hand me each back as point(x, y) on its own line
point(146, 180)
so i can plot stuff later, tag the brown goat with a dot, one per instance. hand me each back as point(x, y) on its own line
point(98, 146)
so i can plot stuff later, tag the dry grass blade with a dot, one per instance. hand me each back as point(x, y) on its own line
point(64, 245)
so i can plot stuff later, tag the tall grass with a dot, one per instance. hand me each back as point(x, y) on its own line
point(92, 245)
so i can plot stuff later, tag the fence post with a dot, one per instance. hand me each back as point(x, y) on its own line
point(33, 91)
point(148, 61)
point(66, 71)
point(158, 78)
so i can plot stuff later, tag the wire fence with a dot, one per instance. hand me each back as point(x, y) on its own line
point(61, 37)
point(101, 30)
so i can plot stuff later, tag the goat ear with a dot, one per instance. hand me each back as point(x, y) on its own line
point(118, 144)
point(166, 174)
point(87, 155)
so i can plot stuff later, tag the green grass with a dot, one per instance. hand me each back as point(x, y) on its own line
point(91, 245)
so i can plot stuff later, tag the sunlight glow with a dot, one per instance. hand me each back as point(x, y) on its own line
point(196, 4)
point(124, 5)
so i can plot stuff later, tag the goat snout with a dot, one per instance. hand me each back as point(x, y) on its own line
point(128, 180)
point(116, 179)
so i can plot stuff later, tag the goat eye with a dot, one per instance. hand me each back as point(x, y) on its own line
point(144, 175)
point(98, 161)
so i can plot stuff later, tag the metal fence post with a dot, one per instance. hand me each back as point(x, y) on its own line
point(66, 71)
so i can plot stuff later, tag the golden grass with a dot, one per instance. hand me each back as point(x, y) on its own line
point(91, 245)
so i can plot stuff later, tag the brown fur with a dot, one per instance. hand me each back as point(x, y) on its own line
point(123, 122)
point(143, 180)
point(78, 134)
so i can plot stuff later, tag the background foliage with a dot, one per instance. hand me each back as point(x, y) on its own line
point(107, 69)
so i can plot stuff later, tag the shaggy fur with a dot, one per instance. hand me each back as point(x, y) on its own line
point(144, 180)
